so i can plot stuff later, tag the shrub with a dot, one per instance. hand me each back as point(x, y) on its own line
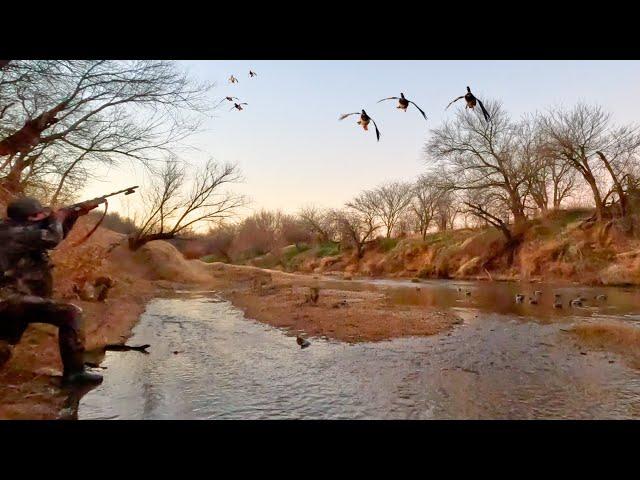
point(328, 249)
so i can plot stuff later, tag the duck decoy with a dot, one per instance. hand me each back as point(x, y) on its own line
point(403, 103)
point(233, 79)
point(471, 103)
point(302, 342)
point(364, 121)
point(252, 74)
point(238, 106)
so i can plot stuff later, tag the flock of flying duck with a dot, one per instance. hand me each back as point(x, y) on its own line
point(403, 104)
point(237, 106)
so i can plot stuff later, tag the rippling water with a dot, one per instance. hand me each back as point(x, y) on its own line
point(228, 367)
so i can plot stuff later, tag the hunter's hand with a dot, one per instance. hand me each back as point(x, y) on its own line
point(88, 206)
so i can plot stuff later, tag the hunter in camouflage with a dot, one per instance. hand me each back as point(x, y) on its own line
point(26, 236)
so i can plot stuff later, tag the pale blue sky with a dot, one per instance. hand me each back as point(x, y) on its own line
point(293, 150)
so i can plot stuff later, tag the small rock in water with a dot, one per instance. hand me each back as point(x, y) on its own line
point(533, 300)
point(601, 297)
point(302, 342)
point(519, 298)
point(537, 293)
point(468, 293)
point(576, 302)
point(557, 305)
point(415, 280)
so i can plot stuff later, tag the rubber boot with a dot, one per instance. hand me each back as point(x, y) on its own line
point(75, 373)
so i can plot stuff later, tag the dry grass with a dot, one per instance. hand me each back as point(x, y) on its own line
point(611, 335)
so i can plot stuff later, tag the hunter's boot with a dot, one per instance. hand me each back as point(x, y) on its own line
point(71, 344)
point(75, 373)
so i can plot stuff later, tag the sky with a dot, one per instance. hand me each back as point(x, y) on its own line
point(293, 151)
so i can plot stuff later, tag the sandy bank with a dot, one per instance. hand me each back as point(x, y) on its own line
point(284, 300)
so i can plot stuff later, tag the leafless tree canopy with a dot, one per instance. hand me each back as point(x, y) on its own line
point(356, 228)
point(481, 156)
point(58, 118)
point(585, 139)
point(172, 207)
point(319, 221)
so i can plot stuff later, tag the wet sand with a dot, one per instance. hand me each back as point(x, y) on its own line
point(281, 300)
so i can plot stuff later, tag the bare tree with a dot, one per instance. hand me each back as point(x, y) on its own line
point(386, 203)
point(356, 228)
point(170, 209)
point(76, 113)
point(487, 206)
point(426, 197)
point(318, 221)
point(394, 198)
point(482, 156)
point(259, 233)
point(584, 138)
point(219, 240)
point(295, 231)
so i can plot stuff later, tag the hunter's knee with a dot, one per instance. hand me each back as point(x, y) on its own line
point(72, 313)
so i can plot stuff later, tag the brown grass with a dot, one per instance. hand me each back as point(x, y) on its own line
point(611, 335)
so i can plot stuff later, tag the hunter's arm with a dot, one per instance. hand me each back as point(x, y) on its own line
point(40, 236)
point(69, 216)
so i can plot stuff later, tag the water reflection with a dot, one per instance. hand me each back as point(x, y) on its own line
point(491, 366)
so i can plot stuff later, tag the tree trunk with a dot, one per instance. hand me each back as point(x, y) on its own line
point(616, 183)
point(597, 198)
point(136, 242)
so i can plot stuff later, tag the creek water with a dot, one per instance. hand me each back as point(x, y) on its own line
point(504, 361)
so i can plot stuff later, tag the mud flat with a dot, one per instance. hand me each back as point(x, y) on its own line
point(286, 301)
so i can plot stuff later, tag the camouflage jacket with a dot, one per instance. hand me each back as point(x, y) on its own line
point(25, 267)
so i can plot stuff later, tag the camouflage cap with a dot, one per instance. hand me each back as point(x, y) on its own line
point(22, 208)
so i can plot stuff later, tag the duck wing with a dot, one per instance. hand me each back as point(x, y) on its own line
point(389, 98)
point(345, 115)
point(453, 101)
point(421, 111)
point(487, 117)
point(376, 127)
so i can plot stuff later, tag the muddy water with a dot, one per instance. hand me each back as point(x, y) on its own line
point(504, 361)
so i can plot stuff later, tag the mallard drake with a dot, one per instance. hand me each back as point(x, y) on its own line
point(238, 106)
point(471, 103)
point(403, 103)
point(364, 121)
